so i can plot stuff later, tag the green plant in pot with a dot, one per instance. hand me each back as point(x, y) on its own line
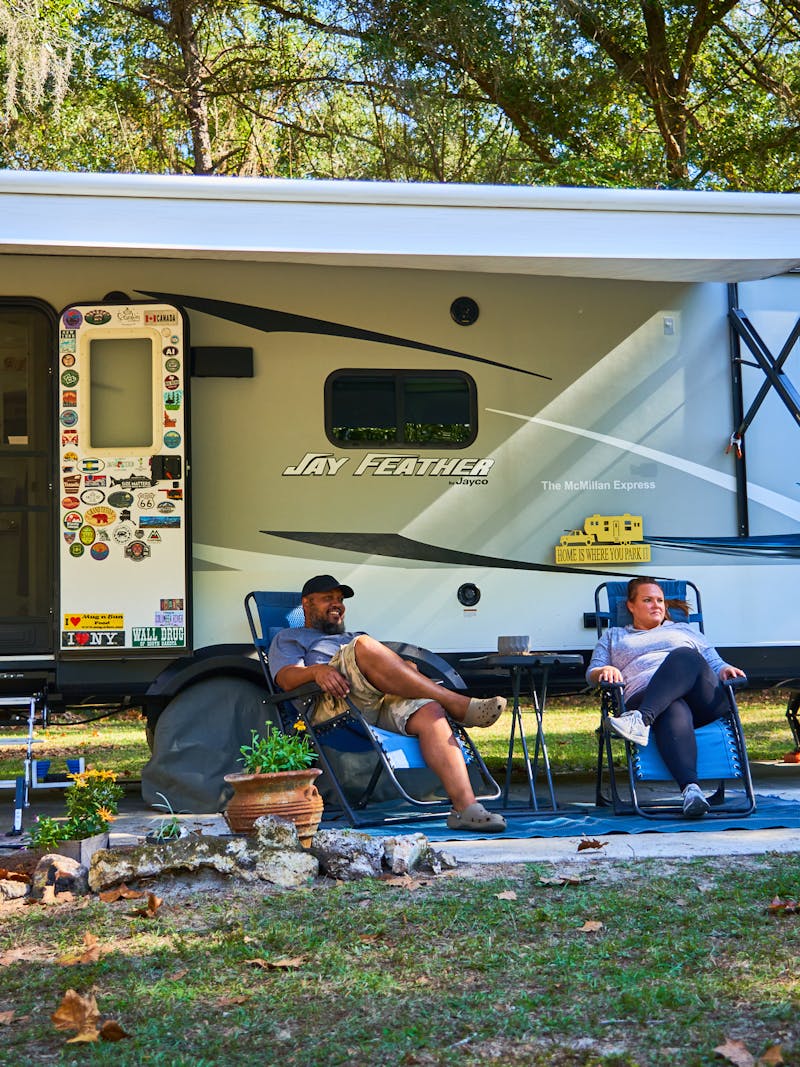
point(277, 779)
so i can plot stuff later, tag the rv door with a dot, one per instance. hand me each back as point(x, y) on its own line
point(124, 508)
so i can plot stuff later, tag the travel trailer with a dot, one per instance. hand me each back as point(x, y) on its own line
point(450, 397)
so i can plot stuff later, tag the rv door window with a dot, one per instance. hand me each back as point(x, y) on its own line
point(433, 408)
point(121, 392)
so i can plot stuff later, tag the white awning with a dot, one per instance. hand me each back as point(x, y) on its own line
point(649, 235)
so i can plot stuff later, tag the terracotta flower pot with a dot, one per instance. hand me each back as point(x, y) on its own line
point(289, 794)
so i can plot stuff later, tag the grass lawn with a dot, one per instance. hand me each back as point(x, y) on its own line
point(677, 958)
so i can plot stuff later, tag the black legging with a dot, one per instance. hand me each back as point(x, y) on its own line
point(683, 694)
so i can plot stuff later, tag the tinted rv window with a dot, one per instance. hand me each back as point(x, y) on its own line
point(121, 392)
point(434, 408)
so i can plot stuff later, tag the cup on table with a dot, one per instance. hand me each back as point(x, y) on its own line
point(513, 646)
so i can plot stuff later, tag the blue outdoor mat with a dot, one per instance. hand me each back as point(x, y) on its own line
point(771, 813)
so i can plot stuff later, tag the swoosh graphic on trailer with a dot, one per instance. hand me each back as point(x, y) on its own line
point(270, 321)
point(395, 546)
point(784, 505)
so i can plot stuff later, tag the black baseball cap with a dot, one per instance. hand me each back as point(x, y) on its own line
point(323, 583)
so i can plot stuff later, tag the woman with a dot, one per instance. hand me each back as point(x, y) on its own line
point(673, 683)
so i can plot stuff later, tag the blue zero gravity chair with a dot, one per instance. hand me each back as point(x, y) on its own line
point(372, 775)
point(721, 750)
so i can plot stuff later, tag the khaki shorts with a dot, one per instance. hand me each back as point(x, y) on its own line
point(379, 709)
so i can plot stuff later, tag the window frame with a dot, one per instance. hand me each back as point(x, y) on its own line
point(398, 376)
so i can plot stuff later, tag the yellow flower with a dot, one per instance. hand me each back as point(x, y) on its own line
point(106, 815)
point(300, 726)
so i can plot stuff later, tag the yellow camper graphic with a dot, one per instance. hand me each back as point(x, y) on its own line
point(605, 539)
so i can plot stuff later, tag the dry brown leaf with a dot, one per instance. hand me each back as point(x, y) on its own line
point(6, 1017)
point(736, 1052)
point(11, 955)
point(77, 1013)
point(507, 894)
point(783, 907)
point(13, 876)
point(772, 1057)
point(590, 842)
point(176, 977)
point(48, 895)
point(120, 892)
point(405, 881)
point(228, 1002)
point(591, 926)
point(548, 879)
point(92, 951)
point(287, 963)
point(112, 1031)
point(149, 911)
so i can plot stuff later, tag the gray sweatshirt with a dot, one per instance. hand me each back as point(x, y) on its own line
point(639, 653)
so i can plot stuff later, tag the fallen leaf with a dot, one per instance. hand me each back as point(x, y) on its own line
point(227, 1002)
point(92, 951)
point(591, 926)
point(112, 1031)
point(736, 1052)
point(11, 955)
point(405, 881)
point(773, 1056)
point(508, 894)
point(566, 879)
point(287, 963)
point(554, 879)
point(148, 912)
point(176, 977)
point(590, 842)
point(13, 876)
point(783, 907)
point(120, 892)
point(6, 1017)
point(77, 1013)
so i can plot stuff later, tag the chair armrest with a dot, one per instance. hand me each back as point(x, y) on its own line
point(736, 683)
point(310, 689)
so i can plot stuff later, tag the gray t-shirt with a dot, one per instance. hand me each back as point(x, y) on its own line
point(300, 646)
point(639, 653)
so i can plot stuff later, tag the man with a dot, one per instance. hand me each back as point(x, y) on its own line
point(389, 692)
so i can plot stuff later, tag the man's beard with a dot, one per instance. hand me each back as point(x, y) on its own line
point(325, 626)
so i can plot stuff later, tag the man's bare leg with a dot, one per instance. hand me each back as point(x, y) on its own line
point(442, 752)
point(385, 670)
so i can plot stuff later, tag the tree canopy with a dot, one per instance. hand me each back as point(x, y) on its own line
point(702, 94)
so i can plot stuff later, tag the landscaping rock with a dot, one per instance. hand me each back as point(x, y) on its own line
point(413, 852)
point(65, 874)
point(272, 854)
point(12, 889)
point(347, 854)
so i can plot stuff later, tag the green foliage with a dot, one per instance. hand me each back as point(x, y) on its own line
point(91, 803)
point(277, 751)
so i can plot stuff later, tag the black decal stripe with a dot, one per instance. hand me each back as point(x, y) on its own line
point(270, 321)
point(395, 546)
point(782, 546)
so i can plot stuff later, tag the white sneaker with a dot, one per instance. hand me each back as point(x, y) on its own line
point(694, 801)
point(631, 726)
